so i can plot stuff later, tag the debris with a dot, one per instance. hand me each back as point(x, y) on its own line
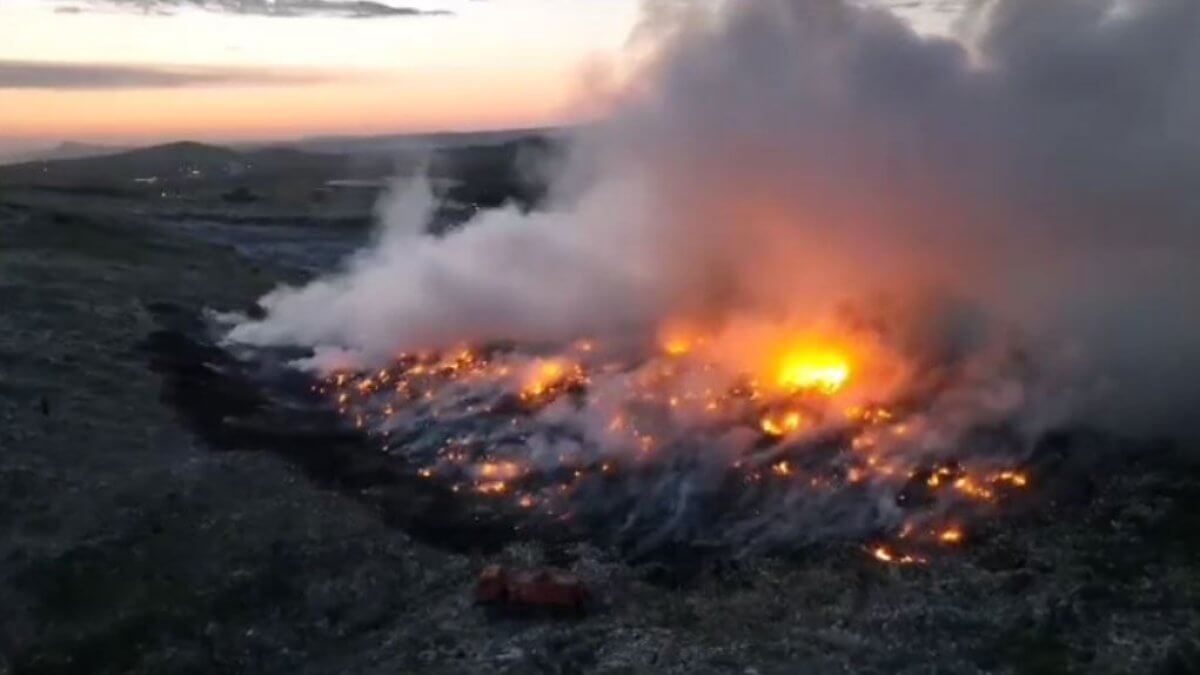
point(531, 589)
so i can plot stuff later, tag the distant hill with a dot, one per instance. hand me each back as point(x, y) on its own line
point(417, 143)
point(501, 167)
point(65, 150)
point(188, 162)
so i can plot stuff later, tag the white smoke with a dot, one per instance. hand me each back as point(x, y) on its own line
point(787, 155)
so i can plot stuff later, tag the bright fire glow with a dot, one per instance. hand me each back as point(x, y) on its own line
point(544, 378)
point(781, 425)
point(887, 555)
point(677, 346)
point(822, 371)
point(951, 535)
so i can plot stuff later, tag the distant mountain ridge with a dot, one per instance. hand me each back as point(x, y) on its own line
point(470, 170)
point(402, 143)
point(393, 144)
point(64, 150)
point(179, 160)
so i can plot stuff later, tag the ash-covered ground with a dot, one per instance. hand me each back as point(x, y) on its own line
point(132, 545)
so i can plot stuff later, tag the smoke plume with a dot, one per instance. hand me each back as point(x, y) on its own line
point(781, 158)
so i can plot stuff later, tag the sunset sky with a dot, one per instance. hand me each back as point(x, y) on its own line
point(130, 71)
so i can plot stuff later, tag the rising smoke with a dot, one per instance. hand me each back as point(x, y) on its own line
point(782, 157)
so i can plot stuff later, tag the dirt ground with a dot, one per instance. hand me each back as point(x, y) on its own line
point(129, 546)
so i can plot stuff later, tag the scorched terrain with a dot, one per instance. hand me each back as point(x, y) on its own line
point(133, 544)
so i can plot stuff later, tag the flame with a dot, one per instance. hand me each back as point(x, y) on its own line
point(951, 535)
point(887, 555)
point(677, 346)
point(781, 425)
point(492, 487)
point(545, 377)
point(700, 382)
point(681, 336)
point(500, 470)
point(969, 487)
point(823, 371)
point(1014, 478)
point(935, 479)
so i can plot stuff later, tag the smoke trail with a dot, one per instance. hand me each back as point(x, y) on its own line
point(784, 156)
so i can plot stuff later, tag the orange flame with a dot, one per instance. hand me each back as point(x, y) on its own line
point(951, 535)
point(813, 369)
point(781, 425)
point(887, 555)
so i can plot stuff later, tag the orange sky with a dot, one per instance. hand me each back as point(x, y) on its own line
point(491, 64)
point(495, 64)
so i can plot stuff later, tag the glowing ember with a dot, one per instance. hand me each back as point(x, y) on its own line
point(1013, 478)
point(951, 535)
point(968, 486)
point(500, 470)
point(887, 555)
point(939, 476)
point(492, 487)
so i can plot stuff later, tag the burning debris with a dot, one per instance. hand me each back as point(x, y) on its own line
point(647, 444)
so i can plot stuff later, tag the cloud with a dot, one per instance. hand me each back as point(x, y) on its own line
point(352, 9)
point(50, 75)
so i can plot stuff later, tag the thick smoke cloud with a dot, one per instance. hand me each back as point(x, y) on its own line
point(787, 155)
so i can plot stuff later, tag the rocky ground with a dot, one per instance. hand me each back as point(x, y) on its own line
point(130, 546)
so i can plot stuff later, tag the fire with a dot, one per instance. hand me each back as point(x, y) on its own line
point(1014, 478)
point(677, 346)
point(492, 487)
point(679, 337)
point(939, 476)
point(548, 376)
point(766, 397)
point(819, 370)
point(500, 470)
point(887, 555)
point(968, 486)
point(781, 425)
point(951, 535)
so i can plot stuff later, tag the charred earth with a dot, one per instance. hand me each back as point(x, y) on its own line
point(183, 517)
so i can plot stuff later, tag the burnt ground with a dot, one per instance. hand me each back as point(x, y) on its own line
point(131, 544)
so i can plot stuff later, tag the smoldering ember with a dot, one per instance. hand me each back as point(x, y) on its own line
point(843, 336)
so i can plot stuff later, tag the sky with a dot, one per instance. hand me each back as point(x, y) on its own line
point(136, 71)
